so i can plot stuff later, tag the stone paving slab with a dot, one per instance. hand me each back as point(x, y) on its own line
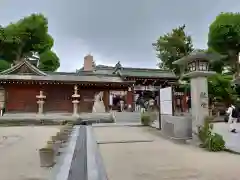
point(232, 139)
point(119, 134)
point(162, 159)
point(115, 124)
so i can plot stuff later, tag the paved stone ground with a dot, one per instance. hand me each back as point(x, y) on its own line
point(160, 159)
point(19, 146)
point(232, 140)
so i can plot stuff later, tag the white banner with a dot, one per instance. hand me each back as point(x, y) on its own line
point(166, 101)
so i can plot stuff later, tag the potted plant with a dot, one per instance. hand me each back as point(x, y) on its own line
point(146, 119)
point(56, 144)
point(63, 135)
point(46, 155)
point(55, 138)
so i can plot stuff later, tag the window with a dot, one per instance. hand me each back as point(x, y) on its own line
point(203, 66)
point(192, 66)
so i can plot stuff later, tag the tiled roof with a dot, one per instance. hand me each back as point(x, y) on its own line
point(22, 63)
point(133, 72)
point(140, 72)
point(82, 76)
point(64, 78)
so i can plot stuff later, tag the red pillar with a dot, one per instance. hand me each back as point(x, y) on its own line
point(130, 94)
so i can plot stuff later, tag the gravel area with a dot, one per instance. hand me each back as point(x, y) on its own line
point(19, 146)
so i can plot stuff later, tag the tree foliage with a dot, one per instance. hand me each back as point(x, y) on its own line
point(25, 37)
point(220, 88)
point(4, 65)
point(173, 46)
point(224, 38)
point(49, 61)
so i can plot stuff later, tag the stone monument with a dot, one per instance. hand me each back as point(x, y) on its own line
point(196, 67)
point(75, 101)
point(40, 101)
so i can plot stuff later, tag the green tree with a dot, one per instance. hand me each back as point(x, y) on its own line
point(220, 88)
point(4, 65)
point(217, 63)
point(173, 46)
point(224, 38)
point(49, 61)
point(25, 37)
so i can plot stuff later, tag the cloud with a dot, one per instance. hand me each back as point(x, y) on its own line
point(116, 30)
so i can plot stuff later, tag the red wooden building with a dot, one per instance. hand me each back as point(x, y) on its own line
point(22, 83)
point(24, 88)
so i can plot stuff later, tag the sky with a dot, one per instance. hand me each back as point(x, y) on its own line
point(116, 30)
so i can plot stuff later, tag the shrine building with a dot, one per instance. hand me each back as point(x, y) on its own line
point(25, 88)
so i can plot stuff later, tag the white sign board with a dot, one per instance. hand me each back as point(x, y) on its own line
point(166, 101)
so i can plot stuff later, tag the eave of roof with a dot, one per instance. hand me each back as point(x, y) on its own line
point(147, 73)
point(19, 65)
point(65, 78)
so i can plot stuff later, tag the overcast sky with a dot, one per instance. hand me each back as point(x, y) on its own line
point(116, 30)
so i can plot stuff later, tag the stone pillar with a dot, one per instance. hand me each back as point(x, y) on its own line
point(130, 97)
point(196, 67)
point(75, 101)
point(199, 103)
point(40, 101)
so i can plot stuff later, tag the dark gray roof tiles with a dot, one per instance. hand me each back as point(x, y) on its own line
point(65, 78)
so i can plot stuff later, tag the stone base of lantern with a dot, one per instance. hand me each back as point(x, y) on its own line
point(75, 107)
point(40, 106)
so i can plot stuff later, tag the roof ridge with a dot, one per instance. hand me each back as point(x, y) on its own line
point(147, 69)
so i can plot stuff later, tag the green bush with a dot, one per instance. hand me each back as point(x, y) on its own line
point(215, 142)
point(146, 119)
point(210, 140)
point(205, 130)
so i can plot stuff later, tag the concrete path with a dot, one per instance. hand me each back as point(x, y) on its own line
point(19, 146)
point(232, 139)
point(156, 158)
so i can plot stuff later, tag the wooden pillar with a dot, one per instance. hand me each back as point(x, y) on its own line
point(2, 100)
point(184, 102)
point(173, 100)
point(106, 99)
point(130, 94)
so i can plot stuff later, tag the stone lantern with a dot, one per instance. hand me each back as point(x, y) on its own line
point(40, 101)
point(75, 101)
point(196, 67)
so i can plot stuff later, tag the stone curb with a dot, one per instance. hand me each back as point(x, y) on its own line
point(124, 141)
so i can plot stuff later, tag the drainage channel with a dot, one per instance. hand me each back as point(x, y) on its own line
point(82, 159)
